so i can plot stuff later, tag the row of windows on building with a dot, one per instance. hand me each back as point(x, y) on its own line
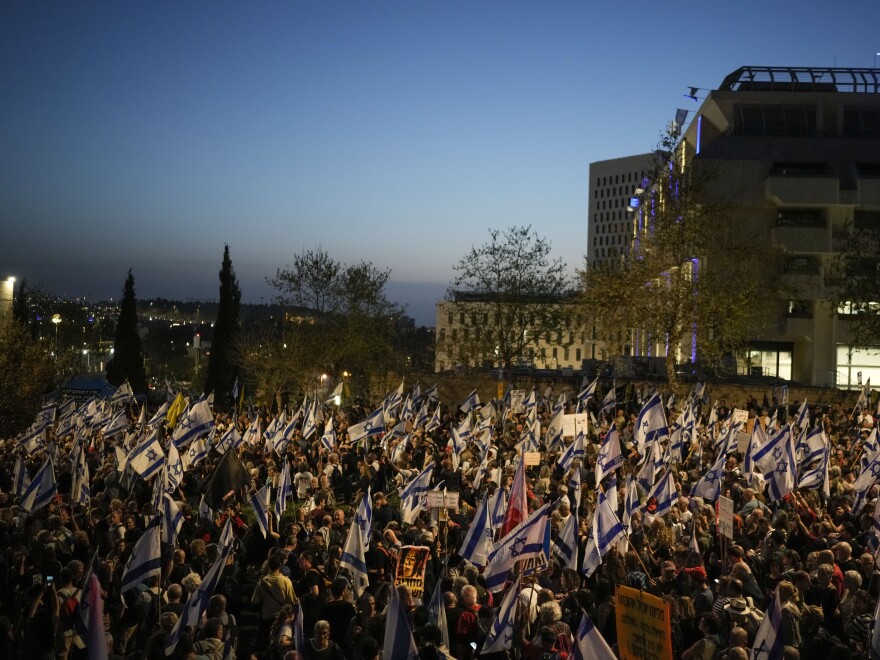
point(609, 240)
point(611, 204)
point(613, 180)
point(607, 228)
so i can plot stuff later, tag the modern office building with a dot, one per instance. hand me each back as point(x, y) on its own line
point(613, 184)
point(797, 152)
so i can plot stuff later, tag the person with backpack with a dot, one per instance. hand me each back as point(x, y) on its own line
point(68, 598)
point(710, 646)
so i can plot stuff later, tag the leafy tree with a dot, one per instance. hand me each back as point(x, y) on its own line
point(857, 266)
point(508, 296)
point(337, 318)
point(27, 373)
point(21, 306)
point(691, 274)
point(128, 357)
point(222, 366)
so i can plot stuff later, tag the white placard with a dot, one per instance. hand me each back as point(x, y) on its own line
point(532, 458)
point(437, 499)
point(516, 401)
point(725, 516)
point(574, 424)
point(739, 416)
point(742, 441)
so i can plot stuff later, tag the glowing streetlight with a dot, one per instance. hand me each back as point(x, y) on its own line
point(56, 321)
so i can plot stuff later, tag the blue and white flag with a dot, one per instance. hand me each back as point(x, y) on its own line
point(273, 436)
point(776, 463)
point(196, 453)
point(481, 470)
point(589, 643)
point(363, 518)
point(606, 531)
point(81, 621)
point(664, 494)
point(34, 440)
point(117, 424)
point(146, 557)
point(421, 417)
point(229, 440)
point(465, 428)
point(816, 478)
point(197, 421)
point(575, 486)
point(159, 416)
point(530, 403)
point(609, 457)
point(437, 613)
point(478, 542)
point(650, 424)
point(412, 496)
point(20, 477)
point(435, 422)
point(123, 394)
point(565, 546)
point(253, 434)
point(399, 642)
point(408, 410)
point(868, 476)
point(80, 491)
point(553, 437)
point(573, 451)
point(768, 640)
point(457, 444)
point(497, 507)
point(587, 393)
point(328, 439)
point(374, 424)
point(172, 520)
point(173, 469)
point(501, 634)
point(471, 402)
point(310, 420)
point(353, 558)
point(259, 501)
point(609, 403)
point(431, 393)
point(651, 463)
point(198, 599)
point(811, 447)
point(709, 485)
point(46, 417)
point(631, 503)
point(41, 489)
point(528, 540)
point(284, 492)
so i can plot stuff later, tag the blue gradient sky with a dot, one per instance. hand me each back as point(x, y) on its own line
point(147, 134)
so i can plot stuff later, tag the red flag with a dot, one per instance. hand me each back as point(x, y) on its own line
point(97, 642)
point(517, 505)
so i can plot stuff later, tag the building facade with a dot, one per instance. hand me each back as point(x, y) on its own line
point(796, 151)
point(613, 184)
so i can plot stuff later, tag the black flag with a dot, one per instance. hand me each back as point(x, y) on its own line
point(228, 476)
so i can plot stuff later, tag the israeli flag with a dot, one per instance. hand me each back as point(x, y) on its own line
point(374, 424)
point(259, 501)
point(353, 558)
point(434, 423)
point(574, 488)
point(587, 393)
point(768, 640)
point(565, 547)
point(20, 477)
point(650, 424)
point(363, 518)
point(284, 492)
point(607, 530)
point(817, 477)
point(172, 520)
point(159, 417)
point(145, 559)
point(196, 453)
point(527, 540)
point(500, 637)
point(421, 417)
point(430, 394)
point(253, 434)
point(609, 457)
point(481, 470)
point(399, 642)
point(413, 495)
point(80, 491)
point(814, 445)
point(589, 643)
point(408, 409)
point(41, 489)
point(664, 493)
point(273, 432)
point(709, 485)
point(498, 507)
point(310, 420)
point(553, 438)
point(174, 469)
point(229, 440)
point(198, 599)
point(472, 401)
point(122, 395)
point(34, 440)
point(437, 613)
point(328, 439)
point(609, 403)
point(196, 422)
point(478, 542)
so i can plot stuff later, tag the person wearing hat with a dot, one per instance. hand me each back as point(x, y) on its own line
point(743, 616)
point(702, 594)
point(668, 578)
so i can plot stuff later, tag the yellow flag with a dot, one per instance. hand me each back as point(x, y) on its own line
point(177, 406)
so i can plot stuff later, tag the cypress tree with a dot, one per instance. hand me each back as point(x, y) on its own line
point(222, 367)
point(128, 357)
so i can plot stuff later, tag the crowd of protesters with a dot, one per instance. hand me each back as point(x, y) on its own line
point(808, 548)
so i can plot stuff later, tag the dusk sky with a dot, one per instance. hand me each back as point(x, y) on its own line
point(148, 134)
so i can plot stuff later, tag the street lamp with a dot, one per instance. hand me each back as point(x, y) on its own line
point(56, 321)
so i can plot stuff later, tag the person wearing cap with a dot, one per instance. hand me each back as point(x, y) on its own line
point(702, 594)
point(668, 578)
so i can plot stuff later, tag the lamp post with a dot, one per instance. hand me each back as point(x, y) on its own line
point(56, 321)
